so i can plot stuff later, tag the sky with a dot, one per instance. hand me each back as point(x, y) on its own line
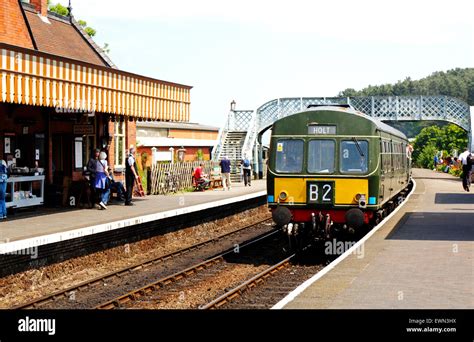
point(254, 51)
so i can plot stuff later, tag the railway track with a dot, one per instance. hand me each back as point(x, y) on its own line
point(200, 283)
point(248, 285)
point(260, 287)
point(83, 294)
point(266, 289)
point(272, 284)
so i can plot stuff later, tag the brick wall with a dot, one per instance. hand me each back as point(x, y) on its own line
point(13, 29)
point(193, 134)
point(189, 156)
point(41, 6)
point(131, 132)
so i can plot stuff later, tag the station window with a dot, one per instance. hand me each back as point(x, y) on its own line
point(119, 143)
point(289, 155)
point(354, 156)
point(321, 156)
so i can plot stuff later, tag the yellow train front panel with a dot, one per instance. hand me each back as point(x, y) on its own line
point(345, 189)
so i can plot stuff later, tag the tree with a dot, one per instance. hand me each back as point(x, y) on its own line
point(457, 83)
point(89, 30)
point(426, 157)
point(432, 139)
point(61, 10)
point(199, 155)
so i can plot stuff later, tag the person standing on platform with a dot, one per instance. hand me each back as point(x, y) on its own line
point(91, 173)
point(102, 184)
point(131, 175)
point(247, 170)
point(466, 161)
point(3, 189)
point(225, 171)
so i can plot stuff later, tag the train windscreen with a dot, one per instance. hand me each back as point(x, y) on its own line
point(354, 156)
point(289, 155)
point(321, 156)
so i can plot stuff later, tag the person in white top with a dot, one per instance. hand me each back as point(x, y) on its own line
point(466, 160)
point(101, 184)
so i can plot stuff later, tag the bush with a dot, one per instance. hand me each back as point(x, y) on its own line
point(455, 172)
point(142, 172)
point(425, 158)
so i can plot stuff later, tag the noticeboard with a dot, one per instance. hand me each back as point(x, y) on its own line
point(83, 129)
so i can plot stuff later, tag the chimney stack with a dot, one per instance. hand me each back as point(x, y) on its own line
point(41, 6)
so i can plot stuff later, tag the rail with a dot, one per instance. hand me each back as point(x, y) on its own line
point(42, 301)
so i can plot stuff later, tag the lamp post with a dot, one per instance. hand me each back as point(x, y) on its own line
point(154, 158)
point(171, 149)
point(181, 154)
point(231, 121)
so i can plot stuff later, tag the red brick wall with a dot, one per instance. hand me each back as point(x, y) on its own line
point(41, 6)
point(189, 156)
point(131, 133)
point(193, 134)
point(13, 29)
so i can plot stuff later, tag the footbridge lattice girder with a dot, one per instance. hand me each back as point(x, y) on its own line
point(384, 108)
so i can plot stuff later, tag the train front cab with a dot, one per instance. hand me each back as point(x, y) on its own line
point(335, 185)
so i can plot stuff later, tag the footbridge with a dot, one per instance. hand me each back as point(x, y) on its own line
point(242, 133)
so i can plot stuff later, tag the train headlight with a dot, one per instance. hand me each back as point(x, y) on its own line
point(362, 200)
point(283, 196)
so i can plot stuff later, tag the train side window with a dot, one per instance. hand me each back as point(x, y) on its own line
point(321, 156)
point(289, 155)
point(354, 156)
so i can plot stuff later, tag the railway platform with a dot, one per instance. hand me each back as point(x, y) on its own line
point(47, 230)
point(422, 257)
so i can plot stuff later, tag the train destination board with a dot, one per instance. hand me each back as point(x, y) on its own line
point(321, 130)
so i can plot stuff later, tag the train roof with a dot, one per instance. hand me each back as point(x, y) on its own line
point(350, 110)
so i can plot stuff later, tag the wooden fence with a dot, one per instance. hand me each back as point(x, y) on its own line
point(166, 177)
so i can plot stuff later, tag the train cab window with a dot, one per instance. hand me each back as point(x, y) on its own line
point(354, 156)
point(289, 155)
point(321, 156)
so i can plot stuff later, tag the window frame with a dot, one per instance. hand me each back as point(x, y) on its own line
point(302, 154)
point(367, 157)
point(334, 157)
point(117, 136)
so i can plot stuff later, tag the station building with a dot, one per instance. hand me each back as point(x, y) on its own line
point(61, 96)
point(180, 141)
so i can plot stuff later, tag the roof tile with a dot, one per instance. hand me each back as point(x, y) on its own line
point(62, 39)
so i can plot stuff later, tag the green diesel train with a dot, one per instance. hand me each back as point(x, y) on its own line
point(333, 167)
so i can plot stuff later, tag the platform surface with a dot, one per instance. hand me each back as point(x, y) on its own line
point(422, 258)
point(43, 221)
